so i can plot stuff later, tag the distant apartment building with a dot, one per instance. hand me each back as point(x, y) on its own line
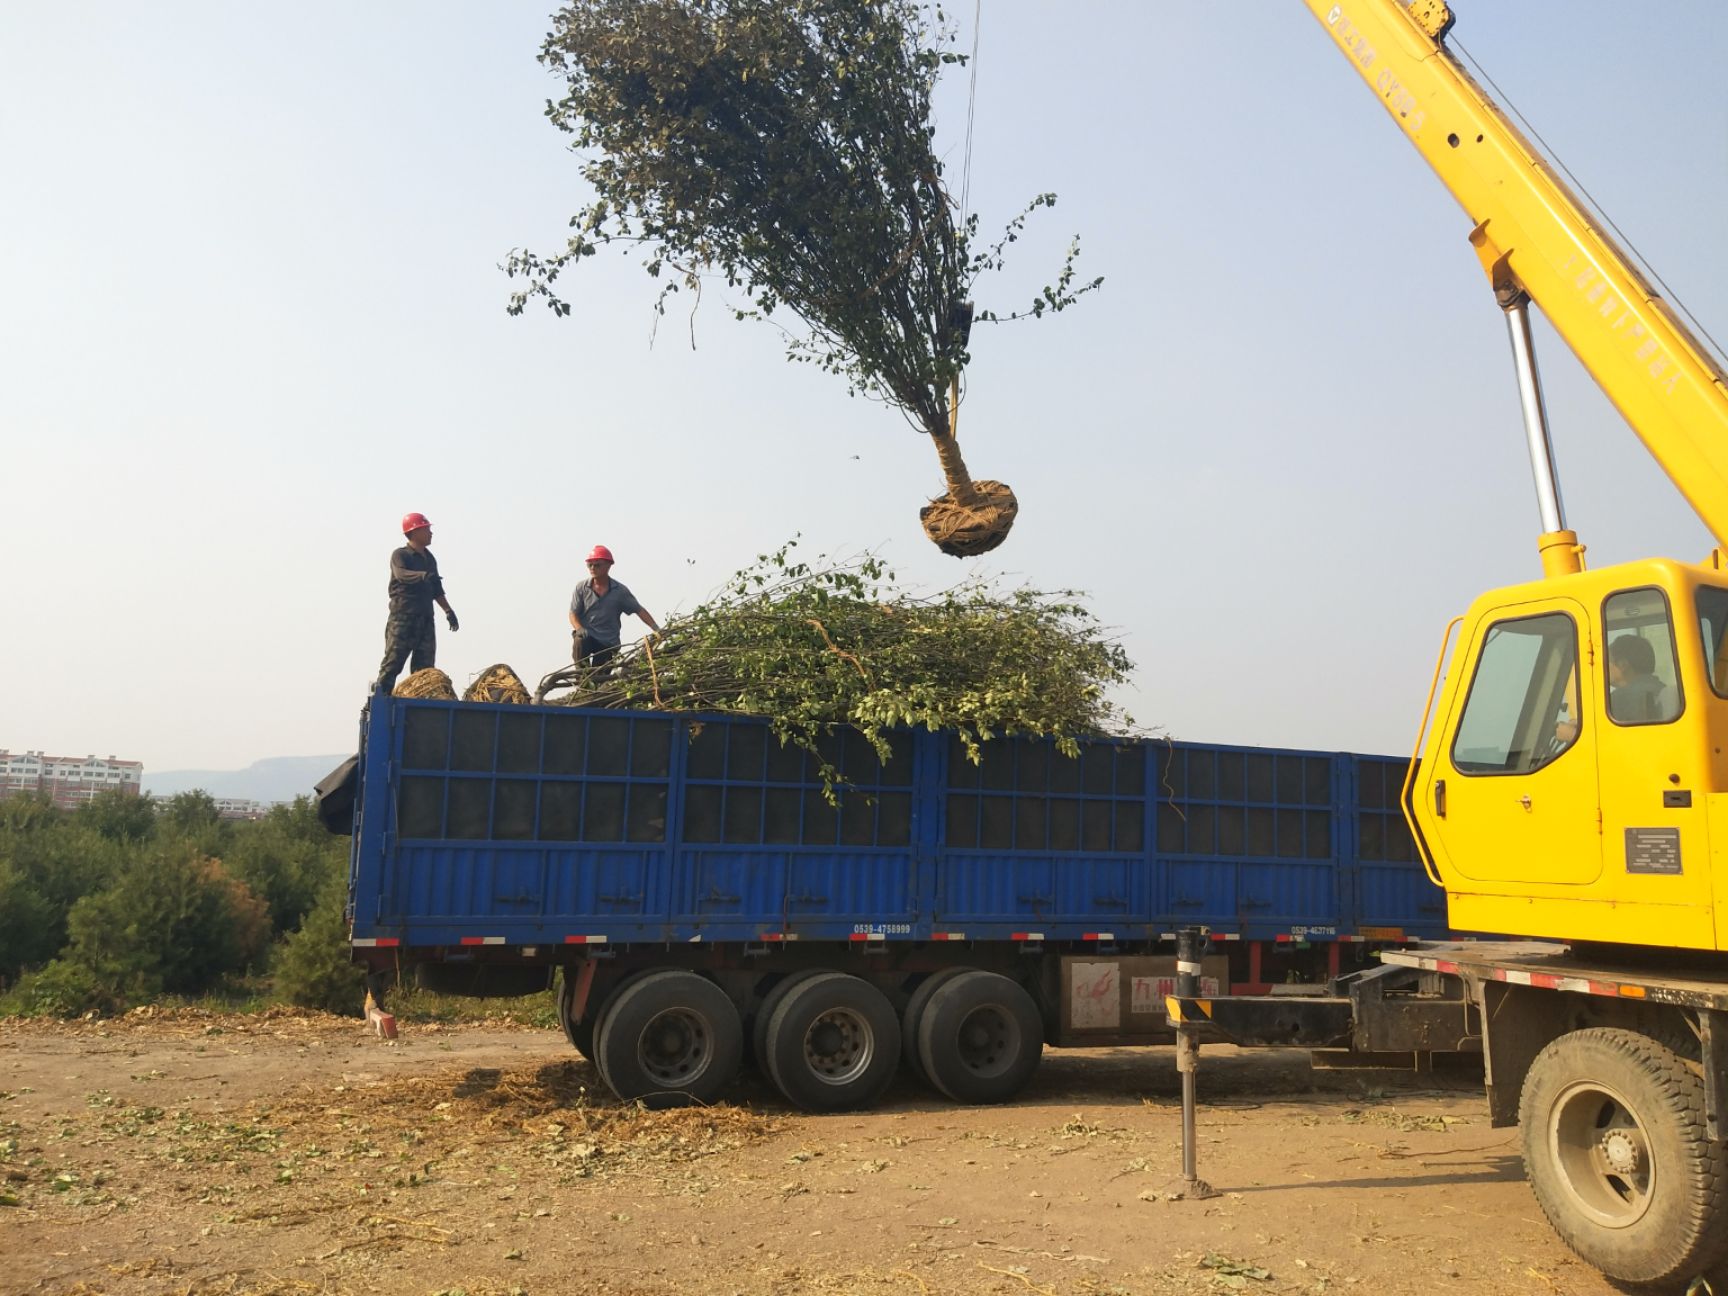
point(69, 781)
point(240, 808)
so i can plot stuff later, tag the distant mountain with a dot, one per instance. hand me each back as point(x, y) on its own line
point(278, 778)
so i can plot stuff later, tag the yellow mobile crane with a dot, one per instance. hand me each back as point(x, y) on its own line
point(1567, 789)
point(1571, 772)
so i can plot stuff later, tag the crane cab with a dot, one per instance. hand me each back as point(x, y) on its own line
point(1574, 782)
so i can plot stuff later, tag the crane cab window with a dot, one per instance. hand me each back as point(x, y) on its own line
point(1713, 629)
point(1643, 672)
point(1525, 674)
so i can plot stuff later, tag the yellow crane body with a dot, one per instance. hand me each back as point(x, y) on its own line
point(1572, 780)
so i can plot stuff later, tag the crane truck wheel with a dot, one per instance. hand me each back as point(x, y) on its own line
point(669, 1038)
point(980, 1038)
point(1615, 1149)
point(832, 1043)
point(914, 1014)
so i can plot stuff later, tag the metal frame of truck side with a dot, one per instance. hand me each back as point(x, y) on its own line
point(1106, 897)
point(687, 871)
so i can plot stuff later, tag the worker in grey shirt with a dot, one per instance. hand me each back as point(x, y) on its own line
point(597, 610)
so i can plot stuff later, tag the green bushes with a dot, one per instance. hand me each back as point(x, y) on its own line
point(123, 900)
point(173, 922)
point(312, 967)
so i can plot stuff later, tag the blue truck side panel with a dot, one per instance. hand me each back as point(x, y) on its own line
point(550, 825)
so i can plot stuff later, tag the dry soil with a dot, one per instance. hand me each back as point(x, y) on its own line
point(192, 1154)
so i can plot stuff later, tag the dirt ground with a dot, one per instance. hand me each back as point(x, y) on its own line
point(191, 1155)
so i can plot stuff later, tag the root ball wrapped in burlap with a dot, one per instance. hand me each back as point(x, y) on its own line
point(973, 528)
point(497, 684)
point(429, 683)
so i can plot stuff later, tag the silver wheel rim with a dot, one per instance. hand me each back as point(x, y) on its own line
point(839, 1046)
point(988, 1041)
point(1602, 1152)
point(675, 1047)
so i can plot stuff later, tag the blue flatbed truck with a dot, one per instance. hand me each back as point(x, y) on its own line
point(708, 905)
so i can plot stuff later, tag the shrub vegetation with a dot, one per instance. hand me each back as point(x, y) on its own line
point(128, 898)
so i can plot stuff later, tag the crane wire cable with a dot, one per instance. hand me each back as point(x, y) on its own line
point(971, 113)
point(1595, 208)
point(956, 389)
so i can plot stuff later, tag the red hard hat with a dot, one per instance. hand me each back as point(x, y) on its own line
point(414, 521)
point(600, 553)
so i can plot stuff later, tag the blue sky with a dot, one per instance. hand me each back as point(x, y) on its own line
point(250, 314)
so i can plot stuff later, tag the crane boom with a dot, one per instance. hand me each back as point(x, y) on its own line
point(1535, 239)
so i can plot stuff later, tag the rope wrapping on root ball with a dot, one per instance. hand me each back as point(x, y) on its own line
point(967, 530)
point(498, 683)
point(429, 683)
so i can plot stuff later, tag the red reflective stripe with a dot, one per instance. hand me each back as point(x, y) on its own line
point(585, 940)
point(386, 942)
point(1027, 936)
point(473, 940)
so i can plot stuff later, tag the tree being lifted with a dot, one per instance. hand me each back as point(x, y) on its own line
point(787, 146)
point(813, 646)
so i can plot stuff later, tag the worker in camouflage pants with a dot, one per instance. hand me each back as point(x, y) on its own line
point(409, 635)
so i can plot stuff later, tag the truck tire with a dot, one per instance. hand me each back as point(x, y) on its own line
point(581, 1033)
point(832, 1043)
point(914, 1014)
point(1614, 1146)
point(669, 1038)
point(980, 1038)
point(771, 1001)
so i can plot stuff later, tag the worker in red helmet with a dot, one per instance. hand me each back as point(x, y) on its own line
point(414, 587)
point(597, 610)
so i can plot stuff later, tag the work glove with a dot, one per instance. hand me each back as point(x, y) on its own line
point(455, 625)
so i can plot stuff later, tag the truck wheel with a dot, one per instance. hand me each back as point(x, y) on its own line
point(771, 1001)
point(832, 1043)
point(669, 1038)
point(1614, 1145)
point(980, 1038)
point(580, 1033)
point(914, 1014)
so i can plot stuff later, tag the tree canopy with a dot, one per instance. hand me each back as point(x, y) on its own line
point(787, 148)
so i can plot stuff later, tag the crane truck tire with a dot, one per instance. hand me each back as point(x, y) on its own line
point(832, 1043)
point(1615, 1149)
point(980, 1038)
point(669, 1039)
